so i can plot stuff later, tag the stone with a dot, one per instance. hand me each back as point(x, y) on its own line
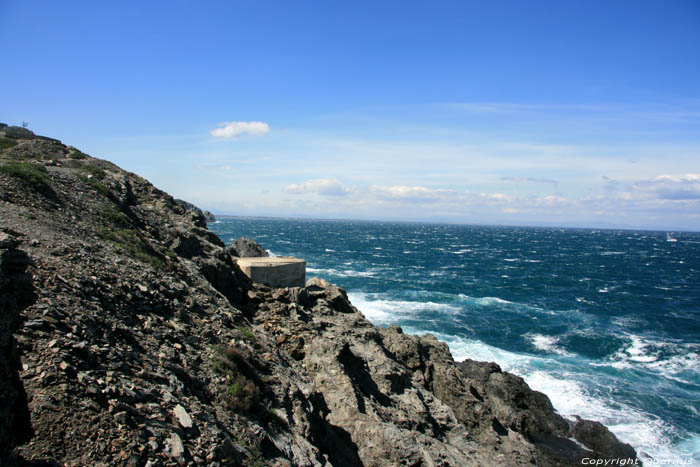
point(247, 248)
point(596, 436)
point(177, 449)
point(182, 416)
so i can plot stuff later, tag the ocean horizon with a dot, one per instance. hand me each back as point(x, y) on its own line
point(604, 322)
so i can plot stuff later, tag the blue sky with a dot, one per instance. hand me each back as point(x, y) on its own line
point(582, 113)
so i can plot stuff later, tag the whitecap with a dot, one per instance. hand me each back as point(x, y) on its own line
point(341, 273)
point(380, 310)
point(546, 343)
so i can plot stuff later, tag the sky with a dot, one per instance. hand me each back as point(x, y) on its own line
point(563, 113)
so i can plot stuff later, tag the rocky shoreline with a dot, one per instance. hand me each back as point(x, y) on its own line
point(130, 337)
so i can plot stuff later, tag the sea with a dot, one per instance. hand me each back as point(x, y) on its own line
point(604, 322)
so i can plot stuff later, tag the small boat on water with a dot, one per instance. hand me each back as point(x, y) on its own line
point(669, 238)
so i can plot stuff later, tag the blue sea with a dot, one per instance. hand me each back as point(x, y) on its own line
point(605, 322)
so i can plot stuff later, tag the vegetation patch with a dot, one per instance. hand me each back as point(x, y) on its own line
point(32, 175)
point(273, 420)
point(96, 172)
point(115, 217)
point(76, 154)
point(133, 245)
point(7, 143)
point(246, 333)
point(241, 391)
point(97, 185)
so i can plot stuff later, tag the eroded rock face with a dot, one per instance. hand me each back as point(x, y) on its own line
point(16, 293)
point(138, 341)
point(403, 400)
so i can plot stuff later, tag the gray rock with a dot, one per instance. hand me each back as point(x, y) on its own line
point(247, 248)
point(177, 449)
point(597, 437)
point(182, 416)
point(205, 215)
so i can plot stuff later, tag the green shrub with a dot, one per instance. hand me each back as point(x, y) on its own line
point(132, 245)
point(273, 420)
point(32, 175)
point(7, 143)
point(76, 154)
point(97, 172)
point(242, 391)
point(246, 333)
point(115, 217)
point(98, 186)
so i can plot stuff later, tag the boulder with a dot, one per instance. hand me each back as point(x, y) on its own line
point(247, 248)
point(596, 436)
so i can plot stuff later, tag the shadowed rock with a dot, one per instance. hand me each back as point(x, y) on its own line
point(247, 248)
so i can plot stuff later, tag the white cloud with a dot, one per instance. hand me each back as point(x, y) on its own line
point(672, 187)
point(322, 186)
point(409, 193)
point(234, 129)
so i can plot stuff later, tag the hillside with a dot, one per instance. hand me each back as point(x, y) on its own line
point(130, 337)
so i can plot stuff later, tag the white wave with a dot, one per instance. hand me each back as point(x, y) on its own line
point(383, 311)
point(272, 255)
point(461, 252)
point(570, 395)
point(342, 273)
point(330, 251)
point(484, 301)
point(546, 343)
point(669, 359)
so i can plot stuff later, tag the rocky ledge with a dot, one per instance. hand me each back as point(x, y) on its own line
point(129, 337)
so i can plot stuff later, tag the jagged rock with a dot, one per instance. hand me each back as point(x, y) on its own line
point(200, 213)
point(16, 293)
point(597, 437)
point(247, 248)
point(177, 449)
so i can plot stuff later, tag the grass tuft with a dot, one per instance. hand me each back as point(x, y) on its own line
point(133, 245)
point(32, 175)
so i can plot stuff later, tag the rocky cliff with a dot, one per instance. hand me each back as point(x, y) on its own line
point(129, 337)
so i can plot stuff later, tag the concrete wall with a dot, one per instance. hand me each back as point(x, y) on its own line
point(275, 272)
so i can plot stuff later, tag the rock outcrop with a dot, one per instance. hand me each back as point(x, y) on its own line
point(142, 343)
point(208, 216)
point(247, 248)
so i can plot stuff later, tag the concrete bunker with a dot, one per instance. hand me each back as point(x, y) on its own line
point(278, 271)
